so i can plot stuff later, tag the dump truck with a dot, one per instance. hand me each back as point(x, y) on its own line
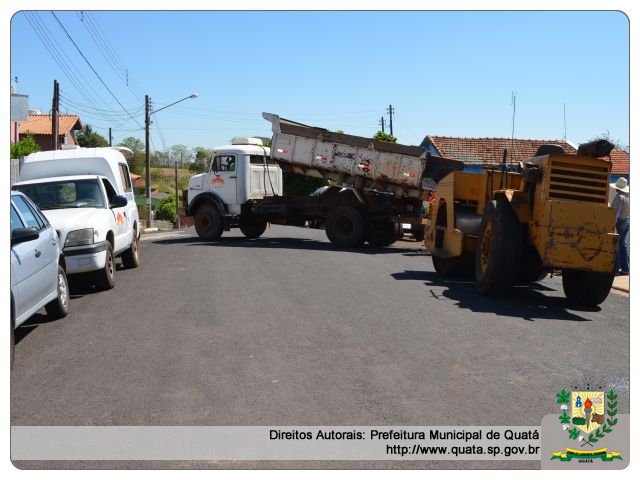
point(376, 186)
point(549, 215)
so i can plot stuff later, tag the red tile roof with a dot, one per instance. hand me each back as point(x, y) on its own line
point(621, 161)
point(41, 124)
point(488, 151)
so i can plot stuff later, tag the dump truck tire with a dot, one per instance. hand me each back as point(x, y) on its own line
point(345, 226)
point(586, 288)
point(252, 227)
point(382, 234)
point(399, 232)
point(498, 250)
point(208, 222)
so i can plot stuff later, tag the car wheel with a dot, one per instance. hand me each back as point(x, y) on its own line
point(131, 256)
point(59, 307)
point(105, 278)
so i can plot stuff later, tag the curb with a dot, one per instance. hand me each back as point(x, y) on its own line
point(622, 284)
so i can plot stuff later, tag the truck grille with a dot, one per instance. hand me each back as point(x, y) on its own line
point(583, 180)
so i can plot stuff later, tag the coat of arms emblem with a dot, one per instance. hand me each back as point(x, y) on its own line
point(587, 417)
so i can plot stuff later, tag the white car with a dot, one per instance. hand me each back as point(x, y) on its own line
point(38, 277)
point(87, 195)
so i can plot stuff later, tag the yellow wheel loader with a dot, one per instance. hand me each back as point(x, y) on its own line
point(550, 214)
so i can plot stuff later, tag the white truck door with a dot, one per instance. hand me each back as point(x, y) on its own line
point(223, 179)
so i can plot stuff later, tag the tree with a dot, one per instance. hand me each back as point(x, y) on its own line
point(88, 138)
point(137, 162)
point(385, 137)
point(180, 153)
point(134, 144)
point(24, 147)
point(200, 163)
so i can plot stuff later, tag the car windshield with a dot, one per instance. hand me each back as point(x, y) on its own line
point(65, 194)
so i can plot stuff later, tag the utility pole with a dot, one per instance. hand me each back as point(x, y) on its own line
point(55, 112)
point(175, 166)
point(382, 123)
point(110, 137)
point(390, 111)
point(147, 157)
point(147, 123)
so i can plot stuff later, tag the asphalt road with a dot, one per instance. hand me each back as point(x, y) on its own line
point(288, 330)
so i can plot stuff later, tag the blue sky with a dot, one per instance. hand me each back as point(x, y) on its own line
point(445, 73)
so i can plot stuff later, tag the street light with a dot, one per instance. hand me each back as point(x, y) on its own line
point(147, 123)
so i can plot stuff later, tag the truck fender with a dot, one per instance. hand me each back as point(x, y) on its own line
point(207, 197)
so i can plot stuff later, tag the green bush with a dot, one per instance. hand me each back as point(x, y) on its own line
point(24, 147)
point(166, 209)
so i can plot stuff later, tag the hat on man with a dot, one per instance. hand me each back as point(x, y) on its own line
point(621, 184)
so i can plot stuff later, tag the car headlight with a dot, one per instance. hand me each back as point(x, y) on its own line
point(79, 237)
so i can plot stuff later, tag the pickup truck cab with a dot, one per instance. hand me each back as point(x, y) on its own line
point(86, 194)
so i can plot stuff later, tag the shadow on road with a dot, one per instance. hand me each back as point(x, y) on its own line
point(280, 243)
point(30, 325)
point(527, 302)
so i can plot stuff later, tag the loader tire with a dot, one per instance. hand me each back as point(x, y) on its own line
point(208, 222)
point(586, 288)
point(345, 226)
point(252, 227)
point(498, 249)
point(453, 266)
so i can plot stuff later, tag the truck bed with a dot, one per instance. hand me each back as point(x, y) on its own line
point(358, 161)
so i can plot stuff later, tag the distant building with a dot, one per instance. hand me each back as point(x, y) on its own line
point(19, 112)
point(39, 126)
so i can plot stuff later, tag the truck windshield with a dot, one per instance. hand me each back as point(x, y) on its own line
point(65, 194)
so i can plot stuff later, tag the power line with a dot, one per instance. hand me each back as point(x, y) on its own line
point(66, 66)
point(108, 52)
point(93, 69)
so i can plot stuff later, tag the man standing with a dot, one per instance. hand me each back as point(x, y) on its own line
point(621, 205)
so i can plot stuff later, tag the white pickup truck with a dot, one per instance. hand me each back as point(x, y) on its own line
point(87, 195)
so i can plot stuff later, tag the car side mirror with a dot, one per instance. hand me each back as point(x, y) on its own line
point(21, 235)
point(118, 201)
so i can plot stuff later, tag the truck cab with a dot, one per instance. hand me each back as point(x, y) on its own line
point(238, 174)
